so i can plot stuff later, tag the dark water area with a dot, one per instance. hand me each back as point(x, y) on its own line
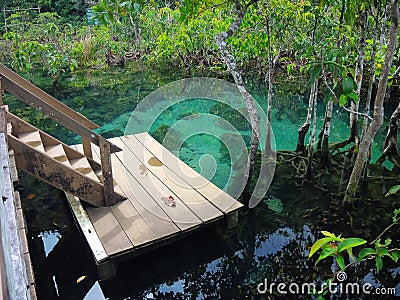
point(270, 243)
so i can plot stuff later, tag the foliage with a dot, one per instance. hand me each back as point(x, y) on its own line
point(334, 246)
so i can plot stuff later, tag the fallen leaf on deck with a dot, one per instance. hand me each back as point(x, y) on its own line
point(143, 170)
point(169, 201)
point(155, 162)
point(81, 278)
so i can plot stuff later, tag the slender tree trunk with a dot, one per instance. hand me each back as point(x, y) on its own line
point(359, 72)
point(370, 87)
point(313, 131)
point(377, 120)
point(368, 100)
point(324, 162)
point(390, 148)
point(250, 102)
point(271, 66)
point(306, 126)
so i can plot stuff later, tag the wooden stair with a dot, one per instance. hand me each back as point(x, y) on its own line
point(54, 162)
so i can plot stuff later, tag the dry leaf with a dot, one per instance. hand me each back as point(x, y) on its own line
point(81, 278)
point(155, 162)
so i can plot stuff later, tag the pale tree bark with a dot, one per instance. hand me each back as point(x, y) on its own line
point(250, 102)
point(302, 132)
point(359, 72)
point(390, 148)
point(370, 88)
point(378, 117)
point(324, 162)
point(271, 65)
point(313, 131)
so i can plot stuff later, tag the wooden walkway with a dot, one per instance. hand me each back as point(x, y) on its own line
point(145, 173)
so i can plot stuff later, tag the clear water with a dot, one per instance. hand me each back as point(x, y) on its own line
point(271, 241)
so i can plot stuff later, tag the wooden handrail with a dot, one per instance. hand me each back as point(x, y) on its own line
point(63, 115)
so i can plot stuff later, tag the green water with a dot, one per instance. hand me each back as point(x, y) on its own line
point(271, 241)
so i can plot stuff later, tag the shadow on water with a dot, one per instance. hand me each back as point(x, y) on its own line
point(271, 242)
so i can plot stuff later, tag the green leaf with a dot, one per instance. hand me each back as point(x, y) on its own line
point(342, 100)
point(319, 244)
point(350, 243)
point(353, 96)
point(379, 263)
point(351, 255)
point(347, 84)
point(326, 253)
point(365, 252)
point(393, 190)
point(340, 261)
point(384, 252)
point(395, 255)
point(327, 233)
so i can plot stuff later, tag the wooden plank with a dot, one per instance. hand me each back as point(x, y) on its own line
point(178, 169)
point(83, 166)
point(110, 232)
point(129, 218)
point(149, 190)
point(32, 139)
point(135, 227)
point(106, 169)
point(87, 148)
point(57, 152)
point(13, 255)
point(192, 199)
point(157, 220)
point(1, 94)
point(3, 119)
point(87, 228)
point(156, 214)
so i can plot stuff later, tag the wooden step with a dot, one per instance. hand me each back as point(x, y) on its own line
point(57, 152)
point(32, 139)
point(82, 165)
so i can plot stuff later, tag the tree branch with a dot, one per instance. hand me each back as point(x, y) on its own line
point(357, 113)
point(385, 230)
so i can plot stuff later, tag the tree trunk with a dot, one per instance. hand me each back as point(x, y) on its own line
point(250, 102)
point(313, 132)
point(324, 162)
point(304, 128)
point(390, 148)
point(377, 120)
point(359, 71)
point(271, 65)
point(370, 86)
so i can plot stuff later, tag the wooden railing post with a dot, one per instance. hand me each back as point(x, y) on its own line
point(106, 168)
point(87, 147)
point(1, 94)
point(3, 120)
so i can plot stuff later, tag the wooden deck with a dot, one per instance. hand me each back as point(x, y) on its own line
point(145, 172)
